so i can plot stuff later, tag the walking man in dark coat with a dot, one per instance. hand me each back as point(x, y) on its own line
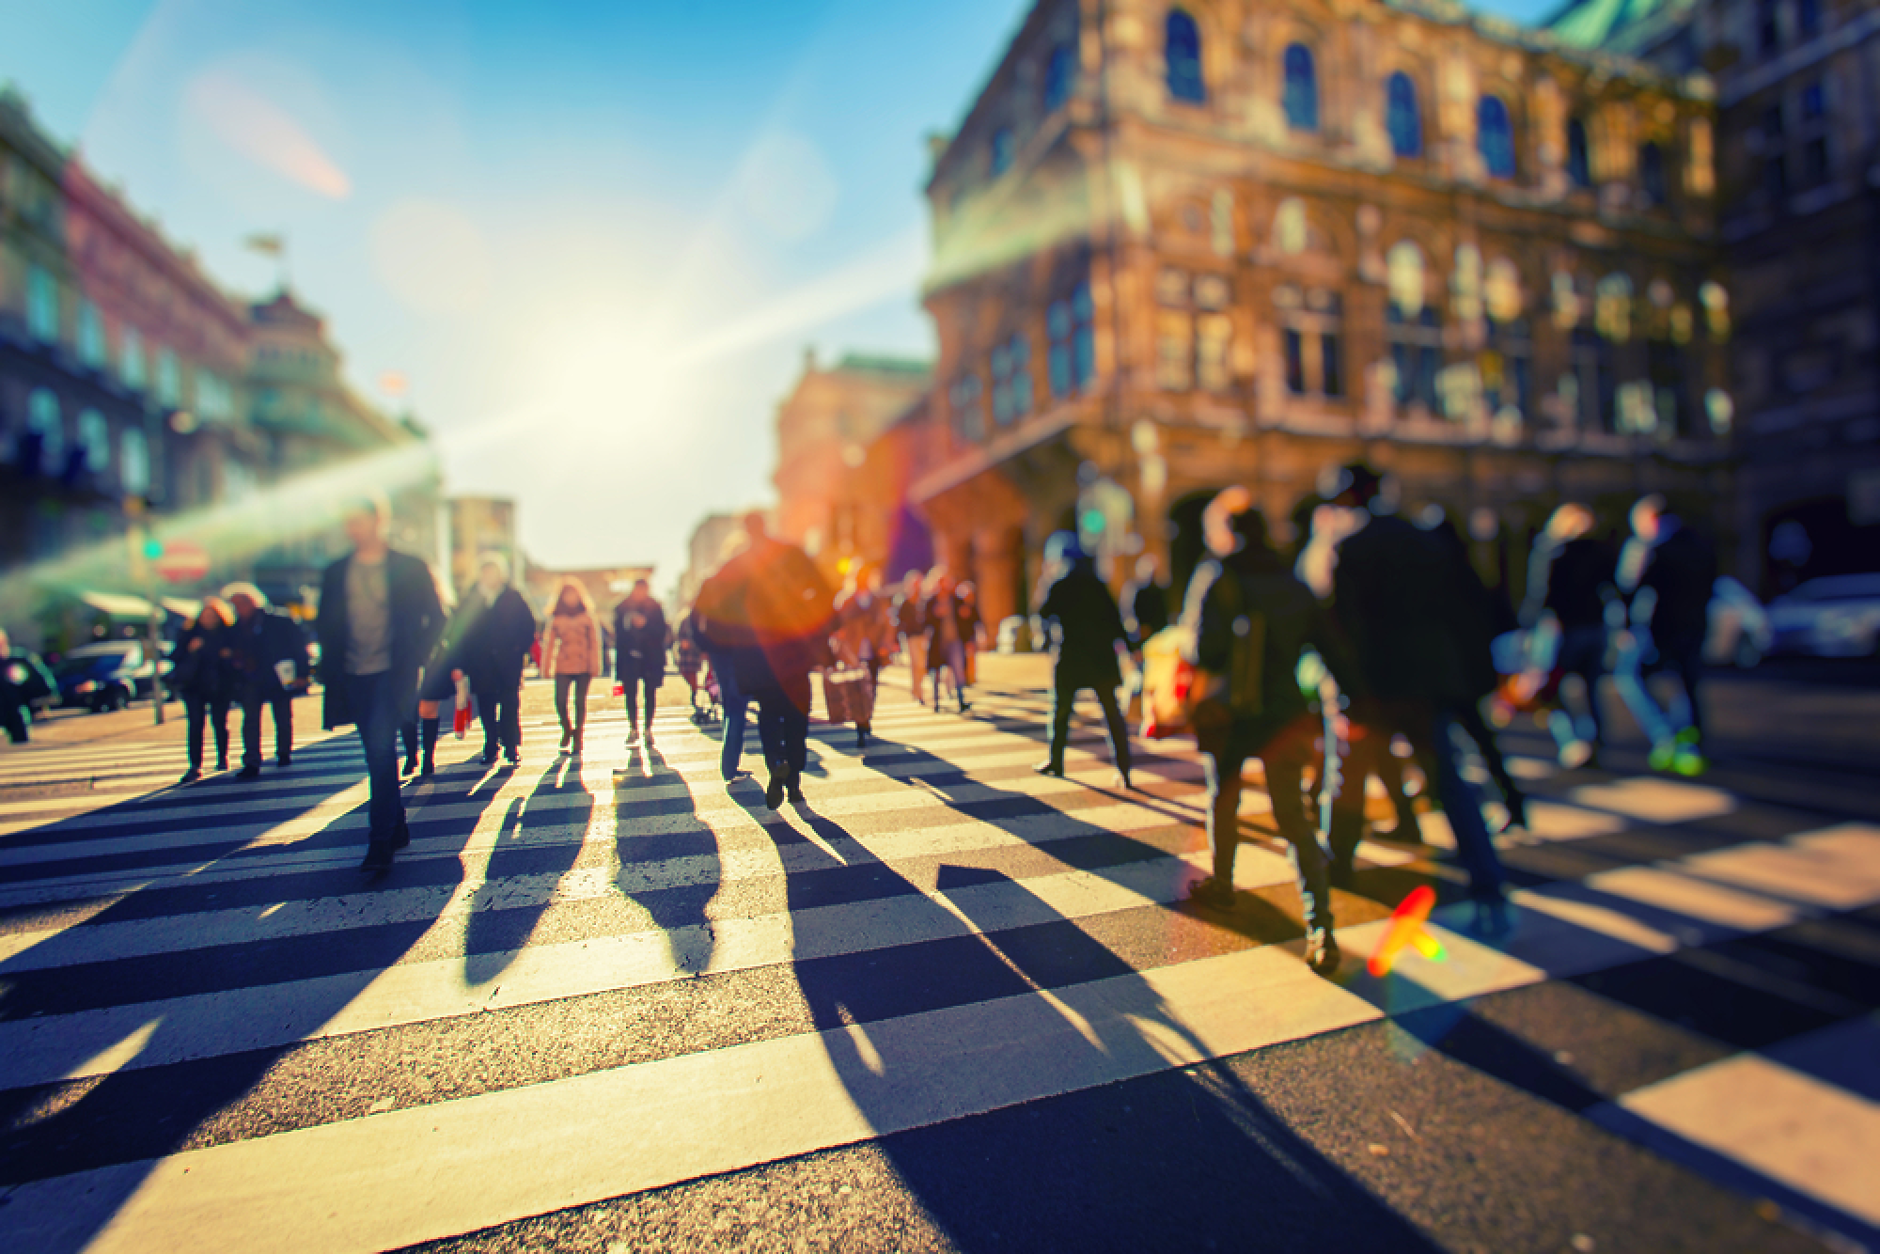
point(1669, 572)
point(379, 619)
point(1089, 631)
point(1570, 583)
point(773, 611)
point(1252, 620)
point(493, 651)
point(1399, 601)
point(269, 654)
point(641, 637)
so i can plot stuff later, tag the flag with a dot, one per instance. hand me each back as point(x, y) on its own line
point(268, 245)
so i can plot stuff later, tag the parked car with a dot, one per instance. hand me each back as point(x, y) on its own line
point(1739, 633)
point(108, 675)
point(1834, 616)
point(33, 681)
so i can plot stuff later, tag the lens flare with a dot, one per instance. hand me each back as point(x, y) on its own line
point(1407, 932)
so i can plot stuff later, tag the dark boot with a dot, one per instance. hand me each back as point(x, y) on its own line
point(429, 733)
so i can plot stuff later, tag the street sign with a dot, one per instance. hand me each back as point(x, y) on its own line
point(183, 561)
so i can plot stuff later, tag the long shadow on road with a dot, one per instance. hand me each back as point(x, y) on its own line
point(119, 1061)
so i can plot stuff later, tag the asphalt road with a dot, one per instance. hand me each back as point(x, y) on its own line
point(946, 1005)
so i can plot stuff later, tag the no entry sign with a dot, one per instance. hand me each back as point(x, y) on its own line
point(183, 561)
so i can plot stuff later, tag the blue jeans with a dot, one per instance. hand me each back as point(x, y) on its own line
point(377, 716)
point(725, 667)
point(1660, 725)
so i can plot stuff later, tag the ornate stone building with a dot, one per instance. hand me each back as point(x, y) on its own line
point(839, 495)
point(1177, 247)
point(1798, 90)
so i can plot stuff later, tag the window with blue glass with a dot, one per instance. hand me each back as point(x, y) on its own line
point(1579, 160)
point(1181, 47)
point(1301, 99)
point(1651, 173)
point(1001, 151)
point(1807, 17)
point(1060, 75)
point(1494, 137)
point(1071, 325)
point(1011, 380)
point(1416, 354)
point(966, 402)
point(1402, 117)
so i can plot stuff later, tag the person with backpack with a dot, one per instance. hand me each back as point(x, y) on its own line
point(1251, 621)
point(1410, 617)
point(1089, 632)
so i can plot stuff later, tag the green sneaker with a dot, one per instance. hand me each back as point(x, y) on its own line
point(1689, 762)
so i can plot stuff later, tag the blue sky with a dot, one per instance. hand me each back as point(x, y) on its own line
point(595, 237)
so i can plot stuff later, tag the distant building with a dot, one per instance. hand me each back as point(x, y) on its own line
point(479, 525)
point(311, 423)
point(825, 428)
point(1798, 145)
point(706, 552)
point(606, 585)
point(1181, 247)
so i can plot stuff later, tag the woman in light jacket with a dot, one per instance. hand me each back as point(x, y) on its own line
point(572, 653)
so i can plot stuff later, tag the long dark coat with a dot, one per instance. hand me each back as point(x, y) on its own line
point(1090, 627)
point(496, 645)
point(640, 650)
point(417, 620)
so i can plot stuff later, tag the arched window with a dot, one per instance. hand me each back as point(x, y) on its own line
point(1182, 49)
point(1060, 74)
point(44, 419)
point(1494, 137)
point(1401, 116)
point(1002, 148)
point(1651, 173)
point(95, 438)
point(1579, 163)
point(1302, 89)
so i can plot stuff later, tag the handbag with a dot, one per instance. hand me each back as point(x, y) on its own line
point(1179, 697)
point(849, 696)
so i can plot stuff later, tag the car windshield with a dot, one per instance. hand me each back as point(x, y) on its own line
point(84, 659)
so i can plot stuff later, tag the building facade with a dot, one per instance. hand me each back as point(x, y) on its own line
point(1798, 143)
point(828, 430)
point(1177, 247)
point(479, 525)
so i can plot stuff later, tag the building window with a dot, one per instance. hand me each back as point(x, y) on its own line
point(1815, 162)
point(1595, 379)
point(1494, 137)
point(169, 387)
point(134, 462)
point(1060, 75)
point(1295, 350)
point(1814, 101)
point(1807, 18)
point(1001, 151)
point(42, 305)
point(1664, 363)
point(92, 349)
point(1507, 367)
point(1011, 380)
point(1301, 99)
point(1174, 351)
point(1416, 354)
point(1775, 177)
point(131, 359)
point(1402, 118)
point(1310, 333)
point(1182, 50)
point(95, 438)
point(45, 423)
point(1651, 173)
point(1579, 160)
point(1768, 28)
point(1214, 342)
point(1071, 324)
point(968, 407)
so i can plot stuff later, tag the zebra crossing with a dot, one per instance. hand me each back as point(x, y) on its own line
point(596, 977)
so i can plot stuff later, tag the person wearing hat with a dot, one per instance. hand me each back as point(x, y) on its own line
point(1403, 605)
point(1089, 632)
